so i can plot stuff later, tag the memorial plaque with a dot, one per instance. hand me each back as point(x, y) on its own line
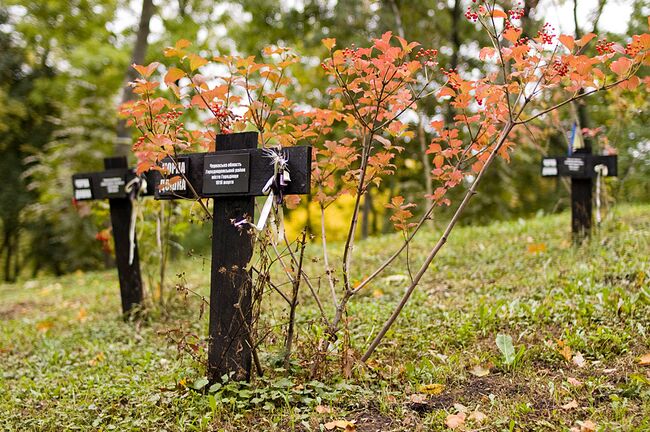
point(581, 166)
point(226, 174)
point(113, 185)
point(574, 165)
point(174, 183)
point(549, 167)
point(82, 188)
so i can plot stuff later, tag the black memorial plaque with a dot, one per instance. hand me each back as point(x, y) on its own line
point(173, 184)
point(226, 174)
point(580, 166)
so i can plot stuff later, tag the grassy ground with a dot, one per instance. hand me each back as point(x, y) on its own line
point(579, 318)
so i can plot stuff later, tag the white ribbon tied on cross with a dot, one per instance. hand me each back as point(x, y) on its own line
point(274, 189)
point(135, 188)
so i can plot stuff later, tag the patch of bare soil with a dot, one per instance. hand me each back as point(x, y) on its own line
point(475, 390)
point(18, 309)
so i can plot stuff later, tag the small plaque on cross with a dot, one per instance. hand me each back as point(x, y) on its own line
point(226, 173)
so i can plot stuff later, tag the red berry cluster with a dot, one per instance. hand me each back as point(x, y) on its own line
point(168, 117)
point(450, 77)
point(517, 13)
point(219, 111)
point(325, 66)
point(471, 15)
point(351, 52)
point(604, 47)
point(427, 55)
point(634, 47)
point(522, 41)
point(560, 68)
point(546, 34)
point(224, 116)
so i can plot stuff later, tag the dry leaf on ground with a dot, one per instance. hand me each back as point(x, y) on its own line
point(454, 421)
point(477, 416)
point(644, 360)
point(570, 405)
point(341, 424)
point(322, 409)
point(585, 426)
point(579, 360)
point(479, 371)
point(418, 398)
point(574, 382)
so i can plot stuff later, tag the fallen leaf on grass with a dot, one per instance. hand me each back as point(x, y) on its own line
point(644, 360)
point(460, 408)
point(432, 389)
point(454, 421)
point(341, 424)
point(322, 409)
point(44, 326)
point(579, 360)
point(418, 398)
point(574, 382)
point(585, 426)
point(81, 315)
point(536, 248)
point(570, 405)
point(479, 371)
point(97, 359)
point(564, 349)
point(477, 416)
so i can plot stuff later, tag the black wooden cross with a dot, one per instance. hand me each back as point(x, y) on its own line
point(111, 184)
point(582, 167)
point(233, 176)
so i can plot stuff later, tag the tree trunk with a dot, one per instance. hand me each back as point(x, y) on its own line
point(123, 140)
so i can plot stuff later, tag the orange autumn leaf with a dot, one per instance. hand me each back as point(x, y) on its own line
point(512, 34)
point(146, 71)
point(196, 61)
point(621, 66)
point(498, 13)
point(567, 41)
point(585, 39)
point(446, 91)
point(173, 75)
point(329, 43)
point(644, 360)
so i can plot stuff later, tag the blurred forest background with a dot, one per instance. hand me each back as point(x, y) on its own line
point(64, 65)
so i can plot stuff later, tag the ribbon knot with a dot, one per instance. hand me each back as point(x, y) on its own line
point(275, 189)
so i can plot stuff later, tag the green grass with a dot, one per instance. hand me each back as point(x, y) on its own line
point(67, 360)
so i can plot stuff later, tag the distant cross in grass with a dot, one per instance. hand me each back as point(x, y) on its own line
point(582, 167)
point(119, 185)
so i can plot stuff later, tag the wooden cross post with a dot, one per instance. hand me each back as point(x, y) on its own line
point(233, 176)
point(111, 184)
point(582, 167)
